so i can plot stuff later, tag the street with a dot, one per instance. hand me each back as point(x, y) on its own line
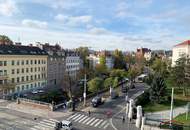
point(98, 119)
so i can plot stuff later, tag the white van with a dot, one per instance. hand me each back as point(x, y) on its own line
point(67, 125)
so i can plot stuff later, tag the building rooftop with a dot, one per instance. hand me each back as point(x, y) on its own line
point(21, 50)
point(183, 43)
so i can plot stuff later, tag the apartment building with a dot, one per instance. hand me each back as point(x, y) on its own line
point(179, 50)
point(56, 64)
point(143, 52)
point(22, 67)
point(73, 62)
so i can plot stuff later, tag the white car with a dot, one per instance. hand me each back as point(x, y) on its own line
point(34, 92)
point(41, 91)
point(66, 125)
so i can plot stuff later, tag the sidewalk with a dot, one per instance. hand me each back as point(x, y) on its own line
point(38, 112)
point(166, 114)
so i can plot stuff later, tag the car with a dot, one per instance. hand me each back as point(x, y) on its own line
point(96, 101)
point(67, 125)
point(34, 92)
point(41, 91)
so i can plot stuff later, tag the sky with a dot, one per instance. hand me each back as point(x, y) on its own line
point(97, 24)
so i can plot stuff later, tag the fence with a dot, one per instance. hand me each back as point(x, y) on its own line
point(35, 103)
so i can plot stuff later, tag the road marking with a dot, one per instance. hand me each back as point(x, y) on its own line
point(98, 123)
point(94, 122)
point(71, 116)
point(90, 121)
point(82, 119)
point(106, 126)
point(85, 120)
point(79, 118)
point(76, 117)
point(102, 124)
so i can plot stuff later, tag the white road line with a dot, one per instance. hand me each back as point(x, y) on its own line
point(103, 123)
point(94, 122)
point(71, 116)
point(106, 126)
point(79, 118)
point(76, 117)
point(85, 120)
point(82, 119)
point(98, 123)
point(90, 121)
point(34, 129)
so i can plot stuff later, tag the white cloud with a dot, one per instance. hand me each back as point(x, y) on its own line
point(74, 20)
point(34, 23)
point(98, 31)
point(7, 7)
point(65, 4)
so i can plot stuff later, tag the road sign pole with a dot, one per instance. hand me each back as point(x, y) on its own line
point(171, 111)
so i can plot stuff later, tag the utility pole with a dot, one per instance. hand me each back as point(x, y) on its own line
point(171, 110)
point(84, 94)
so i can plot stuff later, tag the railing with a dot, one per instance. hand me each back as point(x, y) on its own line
point(34, 101)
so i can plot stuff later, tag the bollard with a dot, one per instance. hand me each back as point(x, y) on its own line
point(143, 123)
point(139, 116)
point(130, 114)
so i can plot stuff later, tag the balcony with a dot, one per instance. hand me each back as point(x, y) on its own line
point(3, 76)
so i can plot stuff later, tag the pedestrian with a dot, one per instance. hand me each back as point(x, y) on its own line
point(89, 113)
point(123, 119)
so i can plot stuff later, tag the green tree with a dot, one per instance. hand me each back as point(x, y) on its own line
point(5, 40)
point(133, 73)
point(84, 52)
point(160, 66)
point(157, 89)
point(119, 60)
point(95, 85)
point(109, 82)
point(130, 60)
point(103, 60)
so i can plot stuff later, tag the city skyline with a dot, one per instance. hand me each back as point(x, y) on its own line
point(122, 24)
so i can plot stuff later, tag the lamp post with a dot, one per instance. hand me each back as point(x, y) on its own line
point(84, 94)
point(171, 110)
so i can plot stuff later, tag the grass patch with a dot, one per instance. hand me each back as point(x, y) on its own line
point(182, 119)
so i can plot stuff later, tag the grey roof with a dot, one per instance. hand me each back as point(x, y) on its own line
point(21, 50)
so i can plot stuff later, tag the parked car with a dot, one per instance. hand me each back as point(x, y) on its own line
point(34, 92)
point(96, 101)
point(66, 125)
point(41, 91)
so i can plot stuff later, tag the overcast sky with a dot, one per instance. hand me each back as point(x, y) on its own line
point(99, 24)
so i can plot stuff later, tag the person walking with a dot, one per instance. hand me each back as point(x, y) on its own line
point(123, 119)
point(89, 113)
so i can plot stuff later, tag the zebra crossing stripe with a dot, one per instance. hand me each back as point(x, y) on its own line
point(94, 122)
point(79, 118)
point(102, 124)
point(75, 117)
point(106, 126)
point(82, 119)
point(98, 123)
point(71, 116)
point(85, 120)
point(90, 121)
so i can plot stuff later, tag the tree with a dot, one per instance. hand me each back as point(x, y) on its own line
point(84, 52)
point(178, 73)
point(100, 69)
point(160, 66)
point(109, 82)
point(133, 73)
point(130, 60)
point(119, 62)
point(103, 60)
point(5, 40)
point(157, 89)
point(95, 85)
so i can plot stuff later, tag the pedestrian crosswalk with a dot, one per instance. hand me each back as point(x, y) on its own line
point(89, 120)
point(45, 124)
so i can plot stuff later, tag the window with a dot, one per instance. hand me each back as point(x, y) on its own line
point(22, 70)
point(18, 79)
point(38, 61)
point(5, 81)
point(13, 71)
point(27, 78)
point(1, 81)
point(35, 77)
point(27, 70)
point(31, 69)
point(18, 62)
point(27, 86)
point(35, 69)
point(38, 84)
point(22, 87)
point(1, 72)
point(13, 62)
point(31, 85)
point(35, 62)
point(38, 76)
point(31, 62)
point(1, 63)
point(22, 62)
point(18, 71)
point(5, 72)
point(38, 68)
point(5, 63)
point(13, 80)
point(31, 77)
point(27, 62)
point(23, 79)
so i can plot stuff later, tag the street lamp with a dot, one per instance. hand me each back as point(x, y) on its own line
point(84, 94)
point(171, 110)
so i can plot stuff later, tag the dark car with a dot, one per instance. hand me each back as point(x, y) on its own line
point(96, 101)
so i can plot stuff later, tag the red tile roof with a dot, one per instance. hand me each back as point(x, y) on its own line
point(183, 43)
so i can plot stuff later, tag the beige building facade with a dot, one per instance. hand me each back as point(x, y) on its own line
point(22, 68)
